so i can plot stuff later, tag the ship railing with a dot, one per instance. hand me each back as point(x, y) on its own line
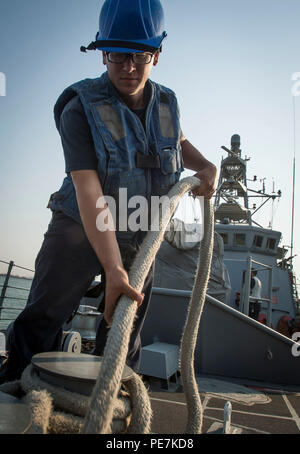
point(247, 298)
point(4, 298)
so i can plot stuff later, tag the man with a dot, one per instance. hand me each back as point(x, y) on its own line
point(119, 131)
point(255, 292)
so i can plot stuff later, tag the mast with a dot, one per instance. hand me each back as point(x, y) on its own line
point(293, 209)
point(293, 187)
point(232, 194)
point(232, 187)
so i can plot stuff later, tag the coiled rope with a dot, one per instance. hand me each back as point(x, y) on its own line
point(99, 410)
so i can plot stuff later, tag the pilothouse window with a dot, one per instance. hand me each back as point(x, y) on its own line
point(225, 237)
point(271, 242)
point(239, 239)
point(257, 241)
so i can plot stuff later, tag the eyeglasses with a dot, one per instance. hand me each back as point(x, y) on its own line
point(140, 58)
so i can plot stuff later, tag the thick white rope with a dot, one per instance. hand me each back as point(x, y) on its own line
point(191, 328)
point(100, 412)
point(69, 401)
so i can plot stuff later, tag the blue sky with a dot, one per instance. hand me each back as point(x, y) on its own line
point(230, 64)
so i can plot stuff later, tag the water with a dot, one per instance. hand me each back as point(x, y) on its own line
point(15, 299)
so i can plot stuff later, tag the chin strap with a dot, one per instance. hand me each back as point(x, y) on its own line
point(91, 46)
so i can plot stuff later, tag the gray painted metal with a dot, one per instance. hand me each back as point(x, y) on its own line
point(229, 344)
point(15, 415)
point(282, 298)
point(159, 360)
point(77, 372)
point(2, 343)
point(85, 321)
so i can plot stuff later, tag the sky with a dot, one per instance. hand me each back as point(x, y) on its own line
point(231, 64)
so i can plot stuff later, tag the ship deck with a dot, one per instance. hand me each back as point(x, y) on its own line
point(257, 408)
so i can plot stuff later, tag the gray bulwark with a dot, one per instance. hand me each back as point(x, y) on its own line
point(229, 343)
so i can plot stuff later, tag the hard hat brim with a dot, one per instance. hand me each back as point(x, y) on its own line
point(126, 46)
point(123, 50)
point(149, 45)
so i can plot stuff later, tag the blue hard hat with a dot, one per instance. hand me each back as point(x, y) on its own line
point(130, 26)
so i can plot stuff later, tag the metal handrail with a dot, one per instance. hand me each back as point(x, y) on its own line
point(17, 288)
point(17, 266)
point(11, 309)
point(13, 298)
point(254, 298)
point(246, 295)
point(5, 286)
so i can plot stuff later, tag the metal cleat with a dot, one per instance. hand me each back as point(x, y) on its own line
point(225, 428)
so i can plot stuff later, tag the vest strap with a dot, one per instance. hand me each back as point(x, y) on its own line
point(147, 161)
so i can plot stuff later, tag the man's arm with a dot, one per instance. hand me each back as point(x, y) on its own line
point(206, 171)
point(88, 190)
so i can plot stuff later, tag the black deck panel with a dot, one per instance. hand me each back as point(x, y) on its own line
point(276, 407)
point(273, 417)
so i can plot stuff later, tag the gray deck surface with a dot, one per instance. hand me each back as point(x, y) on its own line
point(257, 408)
point(276, 411)
point(262, 411)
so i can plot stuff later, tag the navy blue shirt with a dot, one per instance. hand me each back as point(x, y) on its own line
point(77, 139)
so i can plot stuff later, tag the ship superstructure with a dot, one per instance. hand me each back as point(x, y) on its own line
point(248, 245)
